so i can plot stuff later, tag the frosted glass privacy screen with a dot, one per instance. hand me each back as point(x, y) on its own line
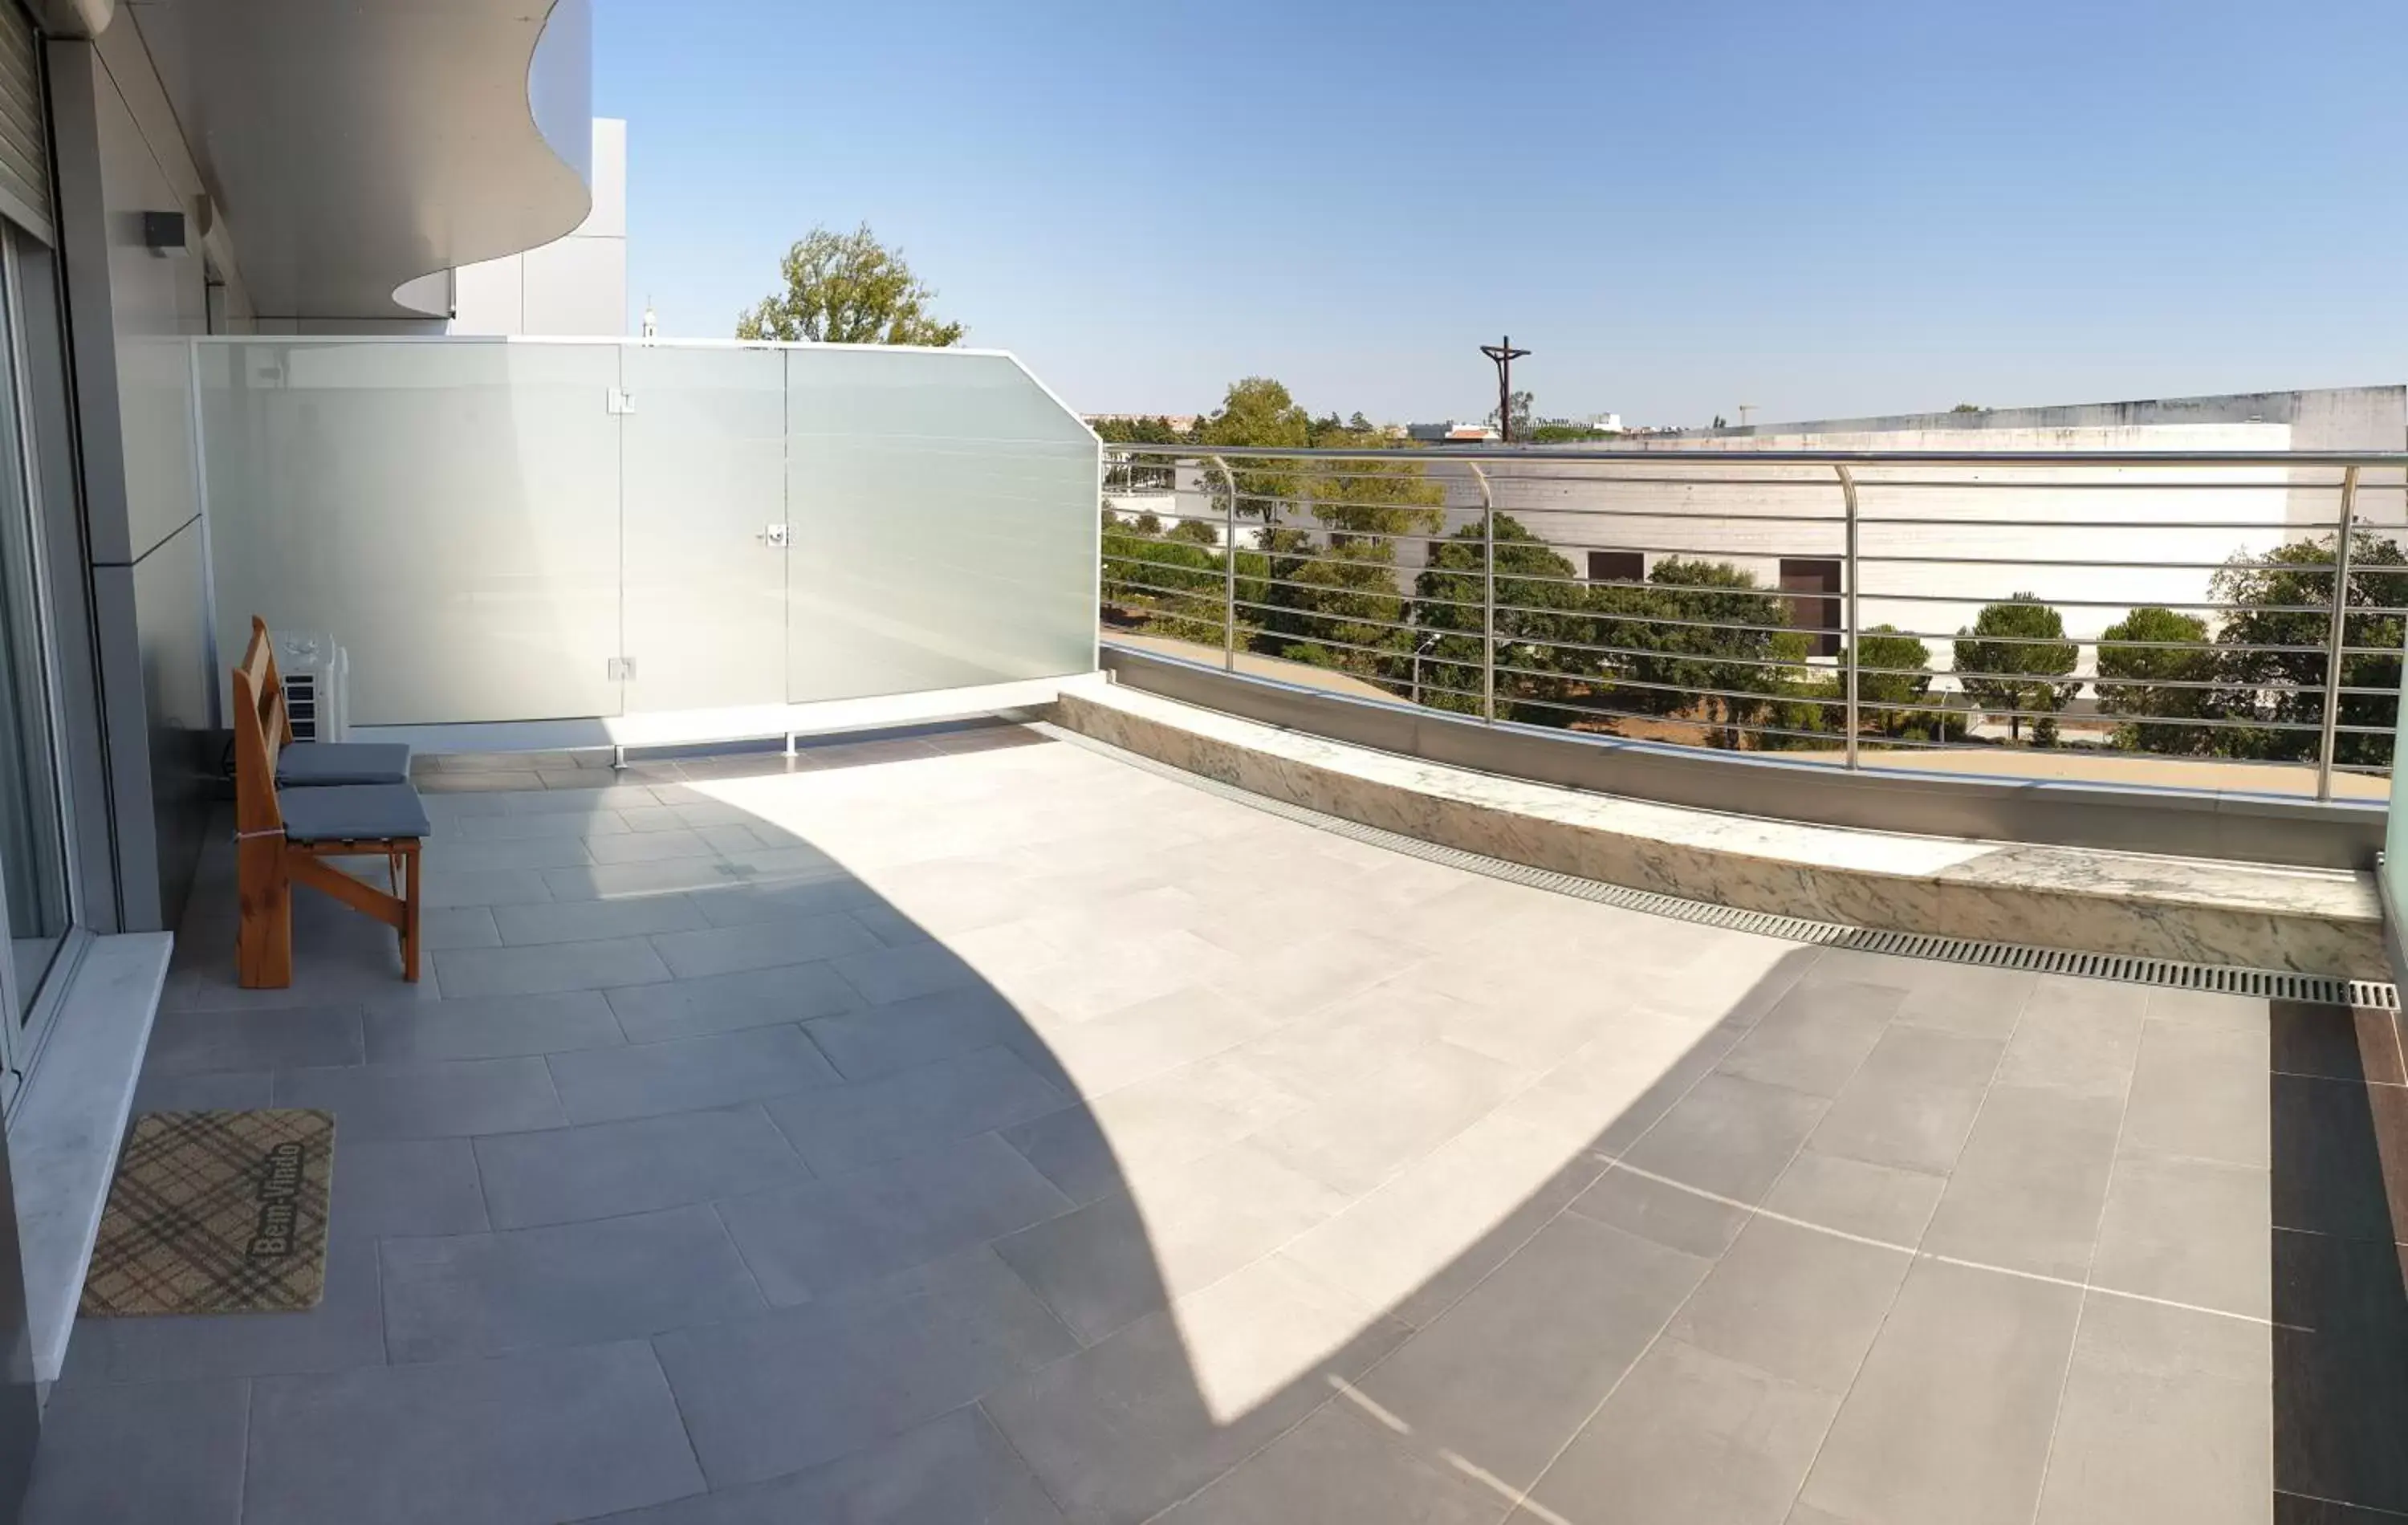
point(500, 530)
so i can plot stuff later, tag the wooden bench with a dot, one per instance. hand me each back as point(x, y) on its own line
point(283, 837)
point(315, 764)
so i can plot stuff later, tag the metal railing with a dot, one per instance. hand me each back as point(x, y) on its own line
point(1775, 601)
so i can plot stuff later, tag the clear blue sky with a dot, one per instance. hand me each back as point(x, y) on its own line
point(1824, 208)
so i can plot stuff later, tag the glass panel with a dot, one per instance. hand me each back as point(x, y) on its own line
point(33, 845)
point(447, 511)
point(944, 522)
point(705, 482)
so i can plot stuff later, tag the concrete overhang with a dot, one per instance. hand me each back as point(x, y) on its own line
point(354, 146)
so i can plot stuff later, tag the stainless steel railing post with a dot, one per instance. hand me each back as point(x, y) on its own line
point(2339, 635)
point(1855, 658)
point(1229, 568)
point(1487, 595)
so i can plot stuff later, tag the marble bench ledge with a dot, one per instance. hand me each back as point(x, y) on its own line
point(2313, 921)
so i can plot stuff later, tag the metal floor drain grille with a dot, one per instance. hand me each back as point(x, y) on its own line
point(2223, 979)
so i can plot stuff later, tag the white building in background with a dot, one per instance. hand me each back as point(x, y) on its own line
point(574, 286)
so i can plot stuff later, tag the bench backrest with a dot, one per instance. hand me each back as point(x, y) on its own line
point(271, 683)
point(258, 737)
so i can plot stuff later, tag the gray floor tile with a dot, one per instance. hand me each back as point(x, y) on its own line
point(1876, 1201)
point(406, 1186)
point(1802, 1305)
point(1912, 1101)
point(743, 904)
point(1129, 1427)
point(491, 1026)
point(651, 846)
point(2209, 1008)
point(609, 880)
point(806, 1241)
point(686, 1074)
point(2341, 1370)
point(950, 1470)
point(1509, 1374)
point(589, 1431)
point(427, 1101)
point(2341, 1157)
point(1730, 1136)
point(2336, 1041)
point(458, 926)
point(454, 888)
point(917, 968)
point(761, 997)
point(1438, 1228)
point(891, 927)
point(864, 1044)
point(540, 968)
point(2189, 1231)
point(1968, 998)
point(732, 950)
point(1691, 1436)
point(2201, 1092)
point(457, 853)
point(800, 1388)
point(1166, 1119)
point(1951, 1416)
point(556, 818)
point(1160, 1033)
point(1400, 1112)
point(2076, 1034)
point(1677, 1219)
point(227, 1091)
point(196, 1042)
point(345, 1330)
point(602, 1170)
point(153, 1452)
point(1112, 1261)
point(2028, 1189)
point(841, 1128)
point(1815, 1037)
point(472, 1295)
point(588, 921)
point(1339, 1468)
point(2166, 1416)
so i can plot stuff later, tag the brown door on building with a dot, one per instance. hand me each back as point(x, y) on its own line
point(1814, 587)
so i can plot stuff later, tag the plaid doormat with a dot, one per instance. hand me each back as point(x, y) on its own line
point(215, 1212)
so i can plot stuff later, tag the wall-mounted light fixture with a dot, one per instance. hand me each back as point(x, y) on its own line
point(163, 234)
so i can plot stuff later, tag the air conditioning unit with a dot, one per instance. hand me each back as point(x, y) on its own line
point(317, 685)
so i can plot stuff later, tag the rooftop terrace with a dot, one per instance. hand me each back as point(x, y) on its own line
point(970, 1124)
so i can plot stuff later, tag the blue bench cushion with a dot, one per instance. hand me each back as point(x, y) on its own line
point(316, 764)
point(352, 812)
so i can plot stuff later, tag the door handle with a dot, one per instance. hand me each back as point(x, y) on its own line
point(772, 536)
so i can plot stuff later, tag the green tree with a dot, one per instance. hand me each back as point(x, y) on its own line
point(1169, 587)
point(2173, 678)
point(1969, 407)
point(1897, 674)
point(1518, 405)
point(1540, 608)
point(1733, 644)
point(2027, 670)
point(2289, 604)
point(848, 288)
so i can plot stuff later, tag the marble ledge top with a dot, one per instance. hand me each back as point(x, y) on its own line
point(2329, 894)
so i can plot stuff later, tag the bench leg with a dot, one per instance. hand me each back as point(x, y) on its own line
point(410, 938)
point(263, 907)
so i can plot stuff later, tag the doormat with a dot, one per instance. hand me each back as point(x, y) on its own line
point(215, 1212)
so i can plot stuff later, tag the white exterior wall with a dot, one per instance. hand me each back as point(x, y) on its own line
point(575, 286)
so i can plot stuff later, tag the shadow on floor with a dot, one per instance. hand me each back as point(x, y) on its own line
point(2340, 1194)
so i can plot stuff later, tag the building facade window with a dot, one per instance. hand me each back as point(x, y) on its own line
point(1814, 585)
point(1617, 566)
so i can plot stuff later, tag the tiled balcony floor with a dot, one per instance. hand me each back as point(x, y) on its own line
point(990, 1130)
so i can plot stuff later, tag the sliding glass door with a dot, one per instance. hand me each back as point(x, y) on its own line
point(35, 893)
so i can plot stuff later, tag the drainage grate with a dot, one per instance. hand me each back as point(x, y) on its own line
point(2221, 979)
